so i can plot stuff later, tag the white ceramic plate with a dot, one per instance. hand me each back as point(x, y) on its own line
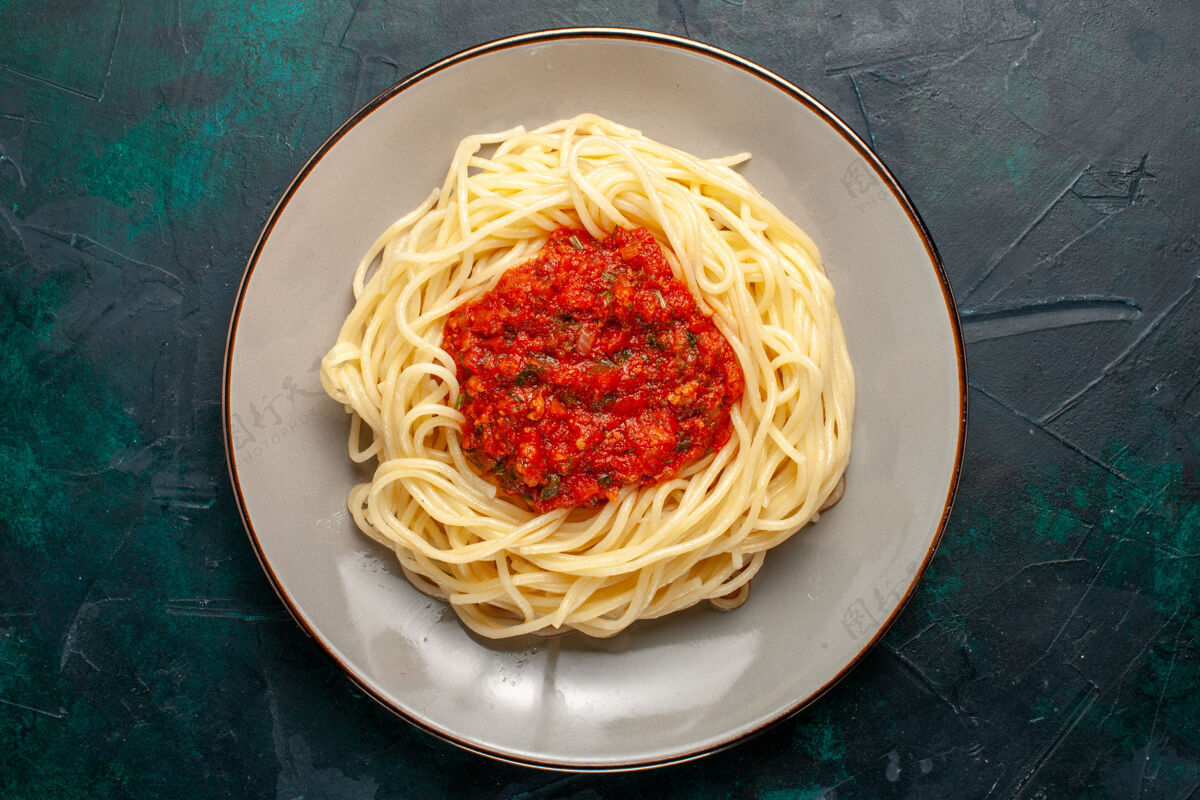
point(666, 690)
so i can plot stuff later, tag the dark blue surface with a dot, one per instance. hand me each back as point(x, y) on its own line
point(1052, 649)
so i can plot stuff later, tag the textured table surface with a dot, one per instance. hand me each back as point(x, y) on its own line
point(1051, 651)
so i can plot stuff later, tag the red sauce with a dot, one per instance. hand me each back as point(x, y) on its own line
point(589, 368)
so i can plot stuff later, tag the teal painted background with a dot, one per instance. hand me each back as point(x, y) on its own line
point(1052, 651)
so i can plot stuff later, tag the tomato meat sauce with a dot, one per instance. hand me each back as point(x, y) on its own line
point(589, 368)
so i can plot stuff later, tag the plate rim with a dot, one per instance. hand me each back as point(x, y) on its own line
point(687, 45)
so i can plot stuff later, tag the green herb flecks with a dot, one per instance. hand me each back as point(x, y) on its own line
point(527, 376)
point(552, 488)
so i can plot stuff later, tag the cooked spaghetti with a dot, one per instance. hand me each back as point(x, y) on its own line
point(522, 540)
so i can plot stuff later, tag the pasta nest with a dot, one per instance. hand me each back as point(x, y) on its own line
point(702, 535)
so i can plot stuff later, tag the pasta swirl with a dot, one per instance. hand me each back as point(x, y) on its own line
point(701, 535)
